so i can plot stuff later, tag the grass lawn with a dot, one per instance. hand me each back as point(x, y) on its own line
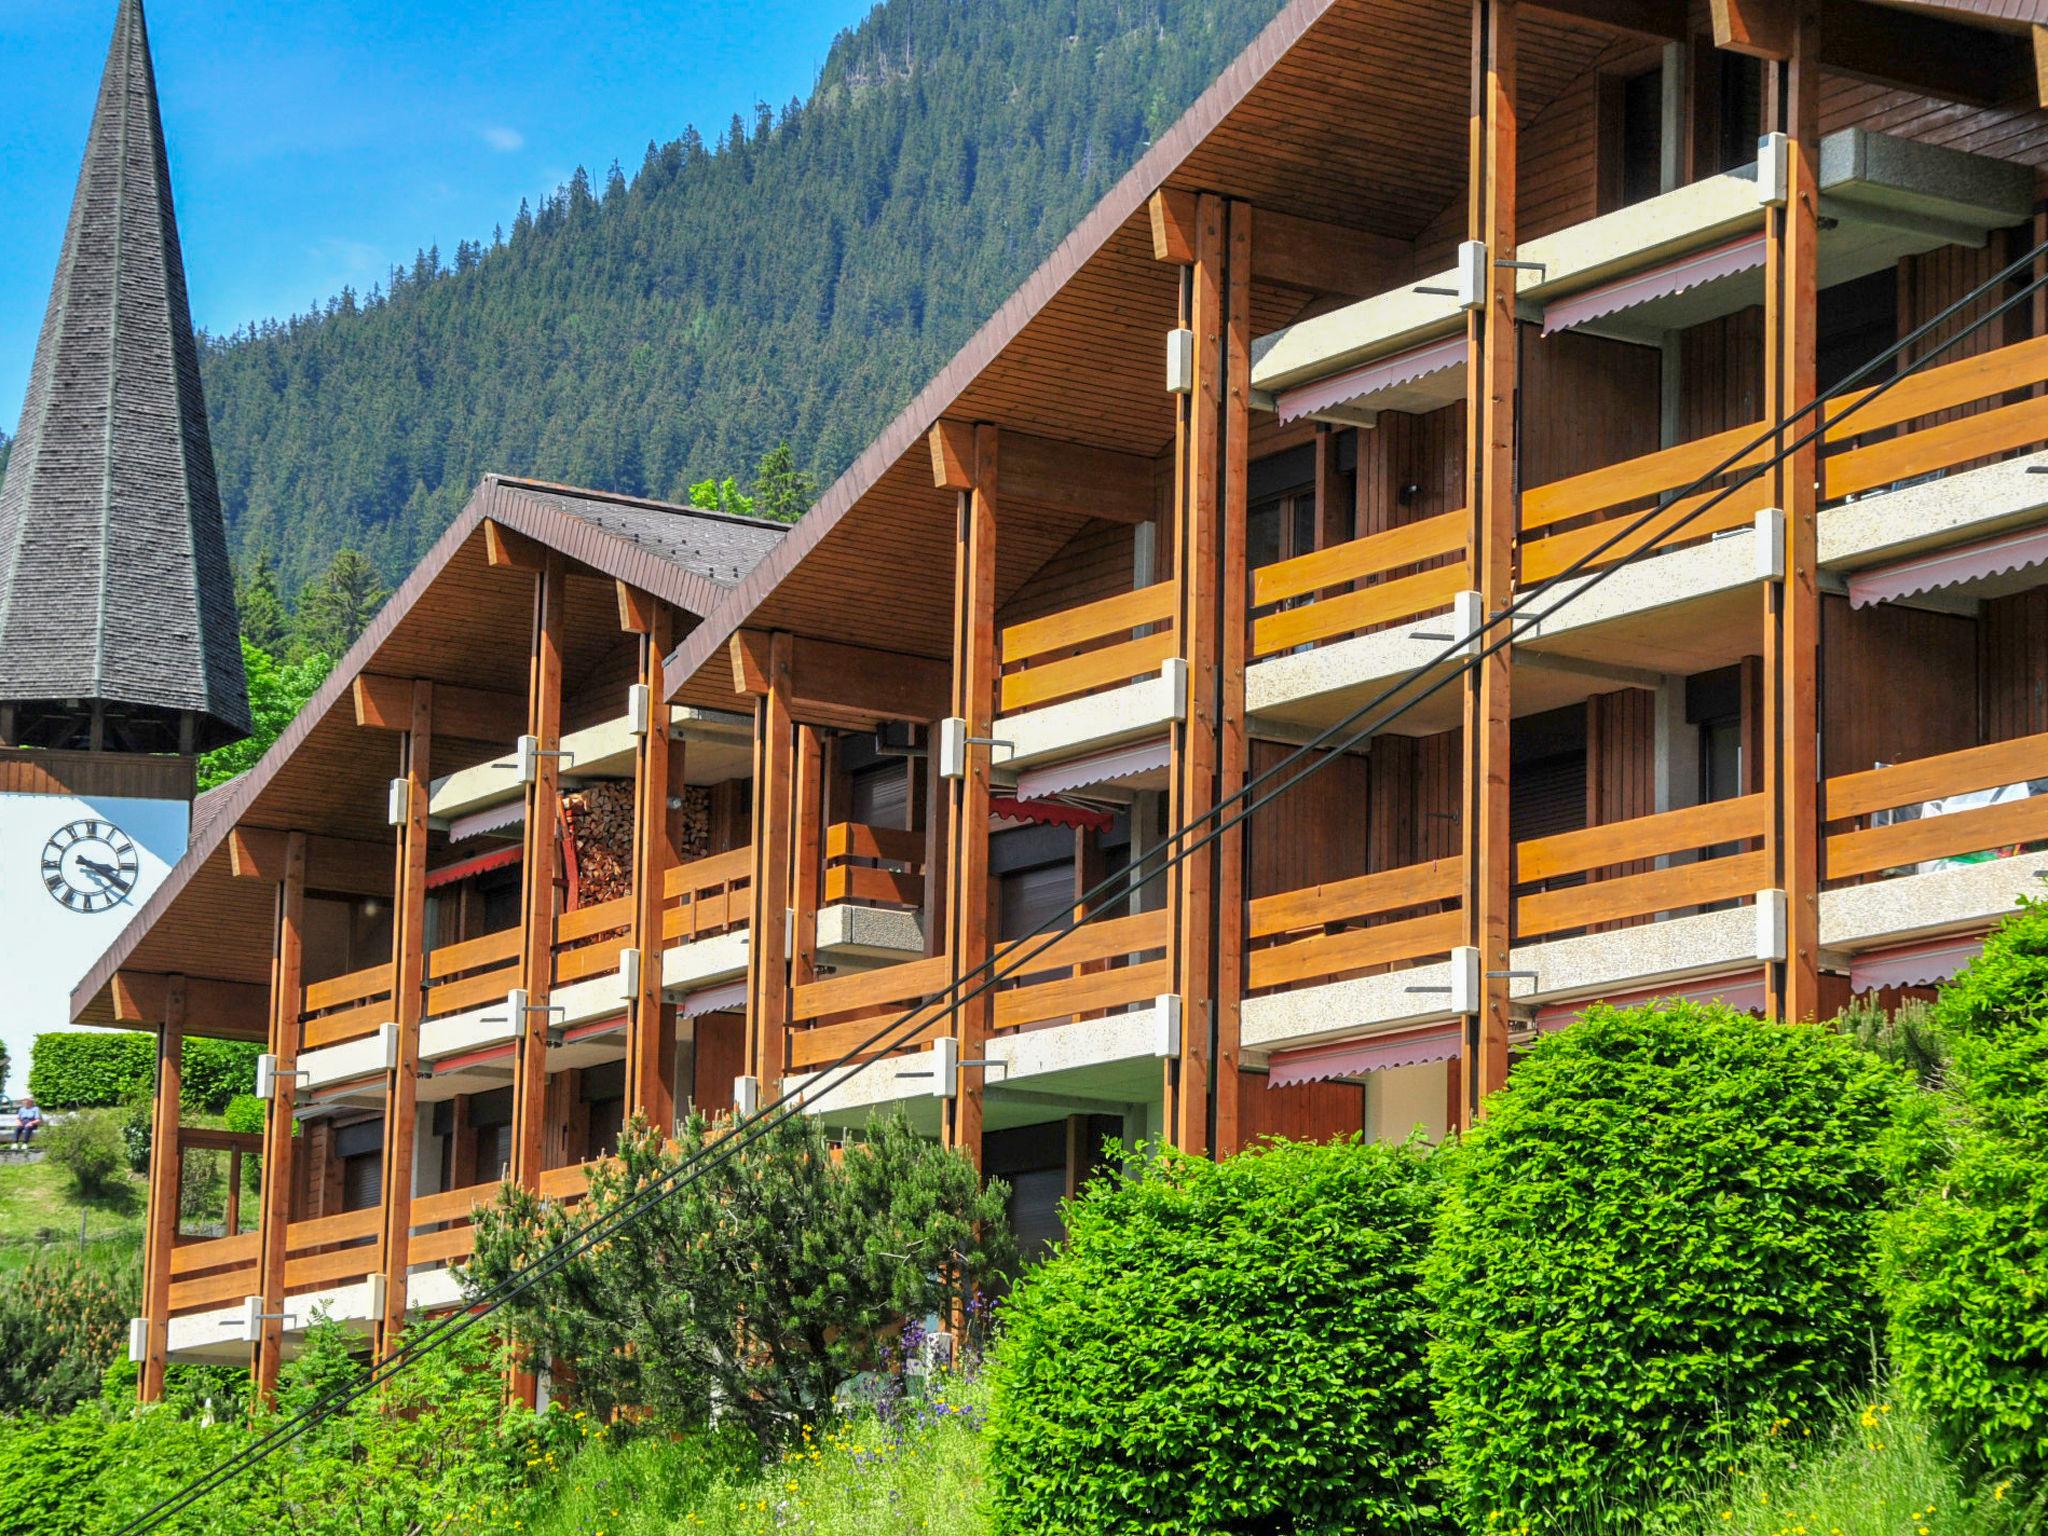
point(37, 1207)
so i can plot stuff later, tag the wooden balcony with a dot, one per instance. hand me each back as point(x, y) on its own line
point(1090, 678)
point(705, 912)
point(873, 891)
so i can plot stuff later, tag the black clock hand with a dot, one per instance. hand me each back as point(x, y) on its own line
point(106, 874)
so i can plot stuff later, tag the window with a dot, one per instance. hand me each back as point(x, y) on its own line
point(1857, 320)
point(1642, 136)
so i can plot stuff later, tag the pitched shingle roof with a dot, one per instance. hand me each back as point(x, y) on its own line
point(114, 576)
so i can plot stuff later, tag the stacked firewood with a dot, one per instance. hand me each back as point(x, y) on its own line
point(600, 819)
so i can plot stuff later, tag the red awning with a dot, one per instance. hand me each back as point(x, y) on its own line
point(1370, 378)
point(1991, 557)
point(482, 864)
point(1913, 965)
point(1355, 1058)
point(1660, 283)
point(1048, 813)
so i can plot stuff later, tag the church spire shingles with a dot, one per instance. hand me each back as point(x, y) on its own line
point(117, 608)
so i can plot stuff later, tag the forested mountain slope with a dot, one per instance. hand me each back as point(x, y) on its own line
point(799, 278)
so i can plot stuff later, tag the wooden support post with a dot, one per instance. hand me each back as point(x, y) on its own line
point(974, 699)
point(657, 777)
point(1197, 550)
point(1792, 606)
point(1491, 347)
point(807, 854)
point(231, 1219)
point(408, 999)
point(768, 942)
point(166, 1176)
point(1226, 1131)
point(274, 1209)
point(537, 891)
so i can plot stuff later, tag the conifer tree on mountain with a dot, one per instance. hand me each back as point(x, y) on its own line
point(265, 624)
point(338, 607)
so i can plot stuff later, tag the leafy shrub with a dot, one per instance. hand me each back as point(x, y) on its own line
point(63, 1318)
point(1963, 1259)
point(89, 1148)
point(1656, 1244)
point(1224, 1347)
point(101, 1068)
point(246, 1114)
point(767, 1283)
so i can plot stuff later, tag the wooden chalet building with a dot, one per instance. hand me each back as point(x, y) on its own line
point(1413, 304)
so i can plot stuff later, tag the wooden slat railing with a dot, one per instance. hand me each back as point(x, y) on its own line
point(212, 1271)
point(1613, 898)
point(588, 940)
point(1568, 518)
point(706, 896)
point(1345, 927)
point(874, 866)
point(346, 1007)
point(1087, 649)
point(833, 1016)
point(1853, 466)
point(476, 971)
point(1360, 587)
point(331, 1250)
point(1061, 992)
point(1867, 849)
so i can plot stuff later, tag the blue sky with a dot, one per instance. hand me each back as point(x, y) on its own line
point(315, 144)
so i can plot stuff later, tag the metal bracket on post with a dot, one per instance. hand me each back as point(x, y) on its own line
point(629, 974)
point(1180, 361)
point(1770, 926)
point(1773, 170)
point(1468, 622)
point(1770, 544)
point(267, 1075)
point(954, 742)
point(399, 804)
point(639, 708)
point(138, 1340)
point(1166, 1026)
point(746, 1097)
point(517, 1008)
point(1472, 274)
point(526, 759)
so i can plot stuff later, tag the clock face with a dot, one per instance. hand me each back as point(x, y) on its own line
point(90, 865)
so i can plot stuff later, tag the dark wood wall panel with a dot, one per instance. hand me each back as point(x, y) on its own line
point(721, 1056)
point(1095, 563)
point(1426, 451)
point(1721, 374)
point(1621, 756)
point(1301, 1112)
point(1314, 832)
point(1587, 402)
point(2014, 665)
point(1414, 811)
point(1875, 658)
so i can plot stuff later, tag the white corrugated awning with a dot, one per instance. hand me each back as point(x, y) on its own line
point(1930, 573)
point(1355, 1058)
point(721, 999)
point(1658, 283)
point(1098, 768)
point(492, 818)
point(1357, 385)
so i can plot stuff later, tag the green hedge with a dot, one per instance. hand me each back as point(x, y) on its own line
point(1657, 1245)
point(101, 1068)
point(1963, 1260)
point(1224, 1347)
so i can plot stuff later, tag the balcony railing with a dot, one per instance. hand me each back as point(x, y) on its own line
point(1087, 649)
point(1359, 586)
point(1322, 933)
point(832, 1017)
point(707, 896)
point(444, 1224)
point(1948, 416)
point(874, 866)
point(1904, 817)
point(347, 1007)
point(1614, 867)
point(589, 939)
point(476, 971)
point(1102, 968)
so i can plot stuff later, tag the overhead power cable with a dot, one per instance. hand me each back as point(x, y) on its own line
point(1311, 757)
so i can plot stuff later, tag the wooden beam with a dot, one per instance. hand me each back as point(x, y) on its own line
point(1198, 576)
point(1931, 55)
point(1661, 19)
point(1491, 407)
point(408, 994)
point(230, 1010)
point(1226, 1132)
point(637, 609)
point(832, 683)
point(1077, 478)
point(657, 775)
point(1173, 226)
point(510, 549)
point(973, 687)
point(345, 866)
point(460, 714)
point(1760, 28)
point(768, 923)
point(166, 1168)
point(287, 971)
point(2039, 35)
point(952, 446)
point(1324, 257)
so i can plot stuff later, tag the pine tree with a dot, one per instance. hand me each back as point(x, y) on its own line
point(337, 608)
point(781, 490)
point(265, 624)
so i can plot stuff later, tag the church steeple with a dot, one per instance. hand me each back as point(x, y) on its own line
point(117, 607)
